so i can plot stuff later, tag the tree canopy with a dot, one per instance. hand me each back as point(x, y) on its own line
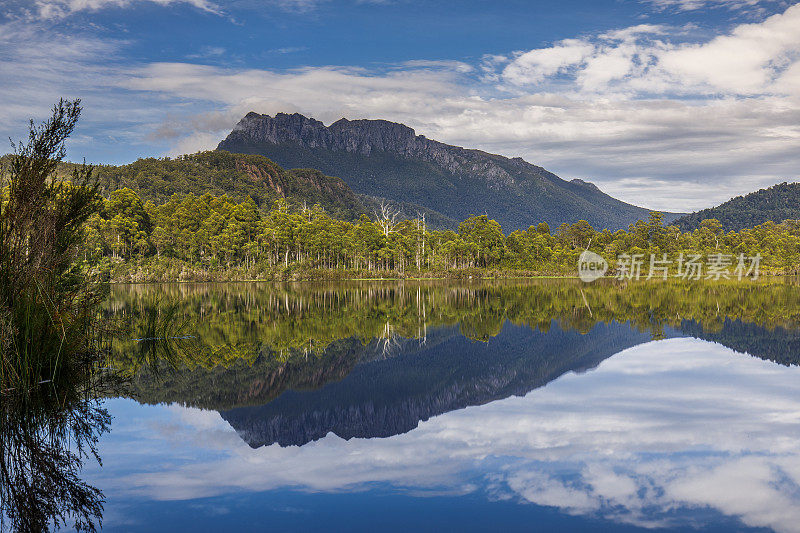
point(214, 237)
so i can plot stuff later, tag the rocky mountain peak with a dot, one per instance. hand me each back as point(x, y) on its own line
point(358, 136)
point(365, 136)
point(389, 160)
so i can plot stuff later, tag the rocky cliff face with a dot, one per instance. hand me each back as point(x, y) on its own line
point(361, 136)
point(364, 137)
point(389, 160)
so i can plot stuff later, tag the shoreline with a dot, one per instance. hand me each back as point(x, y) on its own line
point(771, 277)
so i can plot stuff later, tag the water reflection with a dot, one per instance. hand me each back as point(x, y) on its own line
point(382, 397)
point(249, 343)
point(652, 405)
point(671, 433)
point(46, 434)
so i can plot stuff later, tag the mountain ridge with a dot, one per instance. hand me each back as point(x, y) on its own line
point(777, 203)
point(389, 160)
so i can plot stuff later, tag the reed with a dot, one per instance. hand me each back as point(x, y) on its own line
point(48, 302)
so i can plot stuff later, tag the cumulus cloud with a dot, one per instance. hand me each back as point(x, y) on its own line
point(536, 65)
point(643, 60)
point(747, 61)
point(656, 115)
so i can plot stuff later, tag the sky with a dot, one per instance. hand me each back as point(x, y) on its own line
point(668, 104)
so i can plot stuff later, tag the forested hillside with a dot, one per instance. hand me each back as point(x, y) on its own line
point(236, 175)
point(777, 203)
point(240, 176)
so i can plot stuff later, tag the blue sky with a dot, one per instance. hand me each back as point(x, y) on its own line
point(669, 104)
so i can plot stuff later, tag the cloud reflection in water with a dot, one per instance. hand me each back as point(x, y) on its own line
point(654, 431)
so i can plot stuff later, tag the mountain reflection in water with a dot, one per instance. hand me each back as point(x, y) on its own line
point(385, 397)
point(482, 396)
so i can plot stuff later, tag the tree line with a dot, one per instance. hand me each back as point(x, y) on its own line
point(214, 237)
point(779, 202)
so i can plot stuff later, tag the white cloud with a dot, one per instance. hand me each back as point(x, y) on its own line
point(640, 62)
point(761, 492)
point(208, 52)
point(632, 32)
point(789, 81)
point(747, 61)
point(38, 67)
point(694, 5)
point(458, 66)
point(536, 65)
point(610, 64)
point(57, 9)
point(649, 116)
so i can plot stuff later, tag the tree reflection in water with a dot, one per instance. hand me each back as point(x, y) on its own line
point(46, 435)
point(48, 432)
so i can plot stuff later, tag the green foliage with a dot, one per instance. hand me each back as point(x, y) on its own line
point(487, 238)
point(214, 238)
point(47, 303)
point(777, 203)
point(221, 173)
point(50, 335)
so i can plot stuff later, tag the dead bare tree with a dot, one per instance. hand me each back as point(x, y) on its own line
point(387, 217)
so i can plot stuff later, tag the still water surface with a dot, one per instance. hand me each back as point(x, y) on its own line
point(445, 406)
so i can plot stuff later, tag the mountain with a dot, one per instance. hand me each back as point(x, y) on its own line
point(777, 203)
point(243, 175)
point(237, 175)
point(386, 159)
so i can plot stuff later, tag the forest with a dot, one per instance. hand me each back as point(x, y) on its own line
point(779, 202)
point(218, 173)
point(202, 238)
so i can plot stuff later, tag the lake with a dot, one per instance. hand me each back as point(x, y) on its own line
point(398, 406)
